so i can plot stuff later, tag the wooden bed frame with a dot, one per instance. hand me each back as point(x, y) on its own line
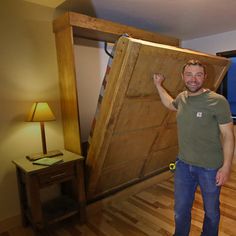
point(135, 136)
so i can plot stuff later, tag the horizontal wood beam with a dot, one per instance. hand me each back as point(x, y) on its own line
point(102, 30)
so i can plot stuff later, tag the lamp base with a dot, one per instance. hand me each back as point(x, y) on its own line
point(37, 156)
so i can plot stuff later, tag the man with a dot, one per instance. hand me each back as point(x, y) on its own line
point(206, 145)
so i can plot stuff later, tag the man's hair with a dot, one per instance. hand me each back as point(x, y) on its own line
point(194, 62)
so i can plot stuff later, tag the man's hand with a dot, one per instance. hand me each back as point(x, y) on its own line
point(222, 175)
point(165, 97)
point(158, 79)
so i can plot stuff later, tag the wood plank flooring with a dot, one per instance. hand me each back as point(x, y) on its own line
point(147, 213)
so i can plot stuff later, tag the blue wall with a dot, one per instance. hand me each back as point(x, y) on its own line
point(231, 85)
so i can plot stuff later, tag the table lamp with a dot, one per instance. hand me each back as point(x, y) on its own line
point(41, 112)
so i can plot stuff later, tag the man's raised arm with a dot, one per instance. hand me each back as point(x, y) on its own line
point(166, 99)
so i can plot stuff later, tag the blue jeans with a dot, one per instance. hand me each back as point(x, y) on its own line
point(187, 178)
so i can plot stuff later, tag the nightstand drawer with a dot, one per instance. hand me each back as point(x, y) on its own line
point(56, 174)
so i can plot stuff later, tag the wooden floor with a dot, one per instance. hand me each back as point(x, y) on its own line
point(149, 212)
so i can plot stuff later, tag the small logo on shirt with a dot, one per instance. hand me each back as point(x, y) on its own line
point(199, 114)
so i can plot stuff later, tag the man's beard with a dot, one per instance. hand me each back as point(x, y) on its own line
point(193, 90)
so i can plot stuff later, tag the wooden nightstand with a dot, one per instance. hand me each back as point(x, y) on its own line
point(31, 178)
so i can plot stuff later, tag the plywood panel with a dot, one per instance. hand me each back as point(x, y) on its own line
point(160, 159)
point(135, 135)
point(140, 114)
point(115, 177)
point(172, 118)
point(148, 63)
point(167, 138)
point(130, 146)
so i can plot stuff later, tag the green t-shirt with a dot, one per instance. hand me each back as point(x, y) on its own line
point(198, 120)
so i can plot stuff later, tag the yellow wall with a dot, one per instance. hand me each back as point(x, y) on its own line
point(28, 72)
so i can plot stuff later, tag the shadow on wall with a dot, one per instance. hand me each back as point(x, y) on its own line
point(80, 6)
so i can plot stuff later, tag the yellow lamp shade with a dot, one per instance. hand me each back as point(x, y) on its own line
point(40, 111)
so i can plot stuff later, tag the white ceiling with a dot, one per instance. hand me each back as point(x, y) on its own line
point(184, 19)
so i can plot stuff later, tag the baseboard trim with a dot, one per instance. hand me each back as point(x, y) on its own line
point(9, 223)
